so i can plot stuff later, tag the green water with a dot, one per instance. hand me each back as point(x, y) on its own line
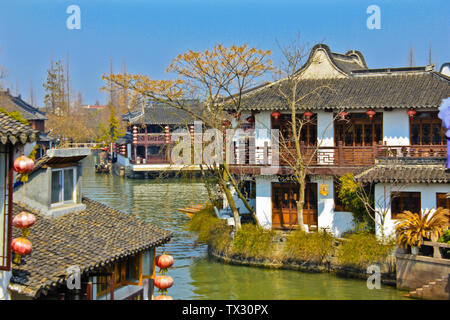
point(196, 276)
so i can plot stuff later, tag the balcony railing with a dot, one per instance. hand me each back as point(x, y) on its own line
point(151, 138)
point(336, 156)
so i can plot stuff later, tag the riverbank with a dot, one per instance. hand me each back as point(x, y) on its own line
point(313, 253)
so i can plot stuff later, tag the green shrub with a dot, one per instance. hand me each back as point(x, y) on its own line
point(206, 224)
point(251, 241)
point(364, 249)
point(312, 247)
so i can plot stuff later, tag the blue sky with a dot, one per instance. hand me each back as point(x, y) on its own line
point(149, 34)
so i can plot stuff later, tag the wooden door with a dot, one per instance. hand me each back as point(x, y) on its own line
point(284, 206)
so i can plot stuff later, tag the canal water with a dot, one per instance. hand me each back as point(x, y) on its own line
point(195, 275)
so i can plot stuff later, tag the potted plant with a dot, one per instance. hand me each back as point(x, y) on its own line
point(412, 228)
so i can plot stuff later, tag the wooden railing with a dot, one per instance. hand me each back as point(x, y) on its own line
point(151, 138)
point(338, 156)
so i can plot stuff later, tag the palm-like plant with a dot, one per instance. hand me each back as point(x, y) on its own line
point(412, 228)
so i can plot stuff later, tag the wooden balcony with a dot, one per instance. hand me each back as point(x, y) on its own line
point(340, 156)
point(150, 139)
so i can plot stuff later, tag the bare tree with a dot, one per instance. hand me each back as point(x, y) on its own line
point(292, 150)
point(217, 79)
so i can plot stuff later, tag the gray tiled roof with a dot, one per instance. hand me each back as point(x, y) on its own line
point(12, 103)
point(13, 131)
point(405, 172)
point(87, 239)
point(401, 89)
point(158, 113)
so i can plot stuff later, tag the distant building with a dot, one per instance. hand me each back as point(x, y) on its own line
point(94, 107)
point(113, 251)
point(152, 127)
point(33, 115)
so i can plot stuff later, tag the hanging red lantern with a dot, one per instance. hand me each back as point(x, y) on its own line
point(24, 220)
point(308, 114)
point(343, 115)
point(236, 115)
point(411, 113)
point(163, 297)
point(23, 165)
point(251, 119)
point(371, 113)
point(20, 246)
point(226, 123)
point(276, 114)
point(163, 282)
point(164, 261)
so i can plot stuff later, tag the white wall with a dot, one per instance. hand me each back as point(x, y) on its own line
point(264, 200)
point(335, 222)
point(382, 197)
point(4, 281)
point(396, 127)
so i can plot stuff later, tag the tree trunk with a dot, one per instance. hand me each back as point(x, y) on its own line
point(300, 204)
point(242, 197)
point(232, 204)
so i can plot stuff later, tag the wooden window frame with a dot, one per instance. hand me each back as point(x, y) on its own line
point(442, 196)
point(350, 124)
point(431, 120)
point(404, 195)
point(120, 267)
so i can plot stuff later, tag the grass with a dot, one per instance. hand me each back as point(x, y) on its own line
point(313, 247)
point(253, 242)
point(206, 224)
point(364, 249)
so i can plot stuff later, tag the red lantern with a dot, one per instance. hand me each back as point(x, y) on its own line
point(343, 114)
point(163, 282)
point(24, 220)
point(411, 113)
point(308, 114)
point(236, 115)
point(23, 165)
point(226, 123)
point(164, 261)
point(251, 119)
point(276, 114)
point(371, 113)
point(163, 297)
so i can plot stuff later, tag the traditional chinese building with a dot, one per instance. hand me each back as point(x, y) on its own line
point(35, 117)
point(357, 116)
point(111, 254)
point(147, 145)
point(14, 137)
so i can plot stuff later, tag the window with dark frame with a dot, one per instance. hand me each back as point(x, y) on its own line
point(402, 201)
point(442, 200)
point(426, 129)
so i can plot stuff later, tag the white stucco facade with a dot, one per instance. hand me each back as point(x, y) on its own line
point(328, 219)
point(382, 201)
point(396, 128)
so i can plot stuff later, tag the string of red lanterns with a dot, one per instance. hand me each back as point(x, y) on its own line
point(167, 134)
point(24, 220)
point(163, 281)
point(135, 139)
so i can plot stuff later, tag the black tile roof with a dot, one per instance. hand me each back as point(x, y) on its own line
point(415, 88)
point(412, 171)
point(12, 103)
point(87, 239)
point(159, 113)
point(13, 131)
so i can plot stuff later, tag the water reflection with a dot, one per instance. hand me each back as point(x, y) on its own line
point(196, 276)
